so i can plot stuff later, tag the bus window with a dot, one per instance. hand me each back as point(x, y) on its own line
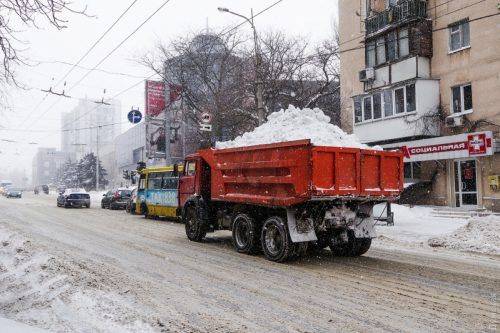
point(169, 182)
point(142, 182)
point(154, 181)
point(191, 168)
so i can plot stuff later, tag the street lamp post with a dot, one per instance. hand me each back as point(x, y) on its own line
point(261, 115)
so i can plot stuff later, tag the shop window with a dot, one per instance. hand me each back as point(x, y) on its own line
point(412, 170)
point(461, 98)
point(377, 106)
point(459, 35)
point(367, 108)
point(404, 48)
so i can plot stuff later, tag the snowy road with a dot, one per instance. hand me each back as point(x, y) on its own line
point(100, 270)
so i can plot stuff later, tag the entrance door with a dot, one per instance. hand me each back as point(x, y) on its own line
point(466, 184)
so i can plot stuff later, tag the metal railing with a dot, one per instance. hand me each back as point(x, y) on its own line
point(404, 11)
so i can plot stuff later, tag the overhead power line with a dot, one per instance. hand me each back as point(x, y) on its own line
point(105, 58)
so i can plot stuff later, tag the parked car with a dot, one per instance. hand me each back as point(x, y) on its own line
point(14, 193)
point(116, 199)
point(131, 202)
point(73, 198)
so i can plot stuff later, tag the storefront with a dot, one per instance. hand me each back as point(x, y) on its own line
point(462, 169)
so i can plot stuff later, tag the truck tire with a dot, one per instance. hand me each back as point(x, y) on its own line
point(196, 228)
point(275, 240)
point(353, 248)
point(246, 234)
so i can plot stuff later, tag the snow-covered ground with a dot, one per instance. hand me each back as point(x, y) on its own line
point(39, 289)
point(417, 227)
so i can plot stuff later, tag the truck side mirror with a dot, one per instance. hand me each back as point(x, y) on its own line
point(176, 170)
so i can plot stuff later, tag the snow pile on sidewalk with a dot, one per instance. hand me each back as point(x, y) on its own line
point(480, 234)
point(64, 296)
point(415, 225)
point(297, 124)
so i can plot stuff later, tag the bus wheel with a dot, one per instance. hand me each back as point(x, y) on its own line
point(275, 240)
point(195, 226)
point(245, 234)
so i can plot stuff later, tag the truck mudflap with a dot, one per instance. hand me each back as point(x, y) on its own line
point(300, 230)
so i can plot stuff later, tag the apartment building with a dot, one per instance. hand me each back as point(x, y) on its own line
point(424, 77)
point(46, 163)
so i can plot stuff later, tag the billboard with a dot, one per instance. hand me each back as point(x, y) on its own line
point(155, 118)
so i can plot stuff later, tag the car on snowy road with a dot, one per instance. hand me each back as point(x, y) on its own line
point(14, 193)
point(116, 199)
point(73, 198)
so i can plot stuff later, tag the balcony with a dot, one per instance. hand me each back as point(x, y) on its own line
point(405, 11)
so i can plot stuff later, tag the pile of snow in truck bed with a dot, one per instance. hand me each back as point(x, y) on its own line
point(297, 124)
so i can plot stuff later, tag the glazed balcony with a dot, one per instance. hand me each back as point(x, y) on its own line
point(405, 11)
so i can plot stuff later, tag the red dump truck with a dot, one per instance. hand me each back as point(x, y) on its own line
point(284, 197)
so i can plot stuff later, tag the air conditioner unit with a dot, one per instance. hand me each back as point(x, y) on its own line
point(367, 74)
point(454, 121)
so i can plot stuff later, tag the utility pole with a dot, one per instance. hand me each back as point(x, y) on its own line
point(261, 112)
point(97, 160)
point(168, 157)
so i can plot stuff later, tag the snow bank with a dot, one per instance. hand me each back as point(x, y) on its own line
point(11, 326)
point(47, 292)
point(416, 224)
point(297, 124)
point(481, 234)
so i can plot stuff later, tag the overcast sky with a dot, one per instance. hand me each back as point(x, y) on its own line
point(312, 19)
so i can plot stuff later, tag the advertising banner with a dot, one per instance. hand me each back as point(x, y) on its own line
point(155, 98)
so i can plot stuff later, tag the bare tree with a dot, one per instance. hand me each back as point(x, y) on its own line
point(17, 14)
point(212, 78)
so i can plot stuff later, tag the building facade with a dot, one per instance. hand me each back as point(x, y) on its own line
point(46, 163)
point(423, 76)
point(130, 149)
point(81, 134)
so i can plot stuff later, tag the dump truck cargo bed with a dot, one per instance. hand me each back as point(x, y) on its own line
point(290, 173)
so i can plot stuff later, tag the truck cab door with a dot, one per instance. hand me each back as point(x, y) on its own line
point(187, 181)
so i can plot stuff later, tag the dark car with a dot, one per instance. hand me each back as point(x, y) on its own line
point(116, 199)
point(14, 193)
point(131, 202)
point(45, 189)
point(73, 198)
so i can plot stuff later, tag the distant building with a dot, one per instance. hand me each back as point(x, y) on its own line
point(130, 148)
point(46, 163)
point(422, 76)
point(80, 132)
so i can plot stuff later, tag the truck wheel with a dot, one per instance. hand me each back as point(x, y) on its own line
point(353, 248)
point(195, 227)
point(245, 234)
point(275, 240)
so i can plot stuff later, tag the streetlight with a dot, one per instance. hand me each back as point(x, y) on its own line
point(258, 62)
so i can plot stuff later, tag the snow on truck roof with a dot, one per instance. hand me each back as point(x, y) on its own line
point(295, 124)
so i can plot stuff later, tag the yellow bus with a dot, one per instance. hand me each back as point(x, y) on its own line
point(157, 192)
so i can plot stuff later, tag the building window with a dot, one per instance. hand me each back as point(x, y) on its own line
point(381, 51)
point(459, 36)
point(370, 54)
point(404, 48)
point(367, 108)
point(461, 98)
point(358, 113)
point(388, 109)
point(392, 46)
point(399, 100)
point(410, 98)
point(377, 106)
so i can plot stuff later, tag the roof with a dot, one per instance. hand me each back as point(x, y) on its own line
point(161, 169)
